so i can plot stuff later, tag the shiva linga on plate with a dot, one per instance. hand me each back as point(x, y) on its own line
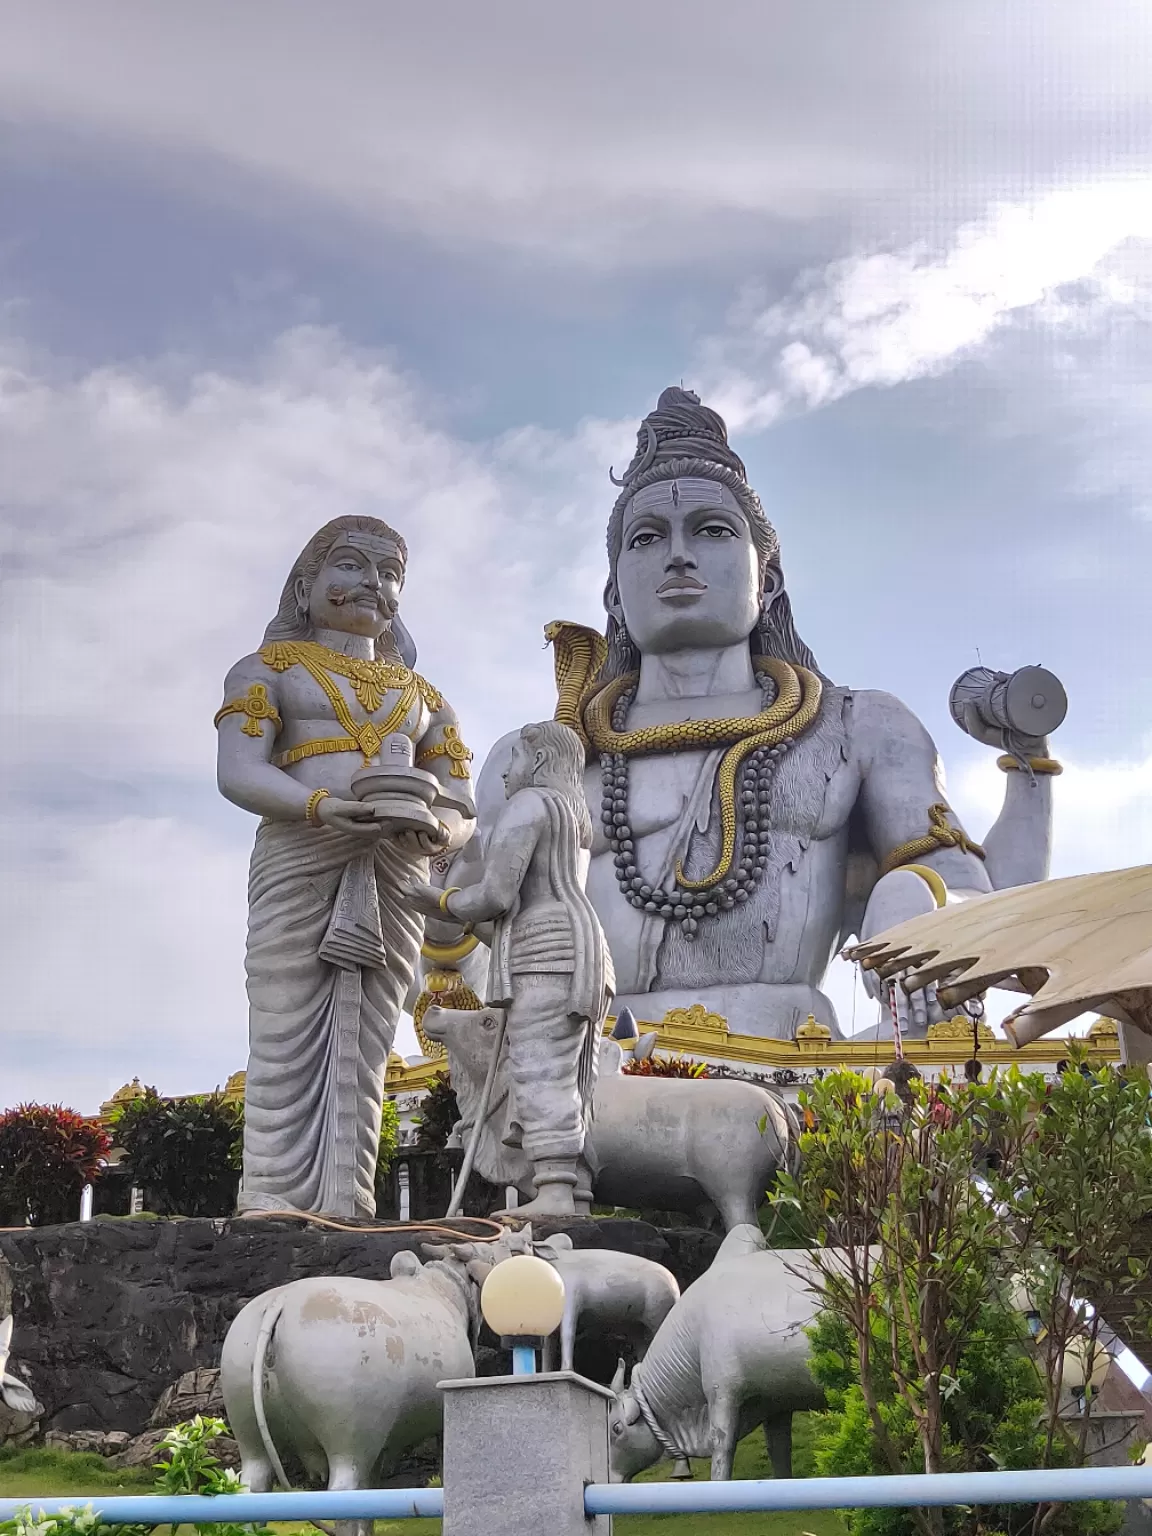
point(398, 792)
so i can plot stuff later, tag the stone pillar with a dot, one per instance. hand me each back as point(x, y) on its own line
point(518, 1451)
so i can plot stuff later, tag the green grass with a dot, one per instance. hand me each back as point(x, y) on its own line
point(24, 1473)
point(37, 1470)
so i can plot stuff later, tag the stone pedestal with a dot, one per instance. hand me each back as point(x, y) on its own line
point(518, 1451)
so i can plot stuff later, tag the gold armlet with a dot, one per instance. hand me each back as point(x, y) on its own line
point(451, 747)
point(256, 706)
point(939, 835)
point(932, 880)
point(1041, 765)
point(444, 895)
point(314, 800)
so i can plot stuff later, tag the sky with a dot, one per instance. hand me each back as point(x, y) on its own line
point(264, 265)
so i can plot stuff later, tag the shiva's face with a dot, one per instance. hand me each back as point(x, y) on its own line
point(358, 590)
point(688, 573)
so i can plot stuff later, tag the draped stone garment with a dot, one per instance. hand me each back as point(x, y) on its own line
point(552, 970)
point(331, 954)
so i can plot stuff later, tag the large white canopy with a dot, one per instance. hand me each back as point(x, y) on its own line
point(1076, 945)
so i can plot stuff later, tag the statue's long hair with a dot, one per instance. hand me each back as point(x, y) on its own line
point(292, 621)
point(563, 768)
point(681, 440)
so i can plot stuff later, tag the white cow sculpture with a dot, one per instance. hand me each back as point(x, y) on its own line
point(663, 1143)
point(343, 1372)
point(731, 1354)
point(623, 1294)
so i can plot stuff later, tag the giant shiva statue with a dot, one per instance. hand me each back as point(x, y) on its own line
point(750, 813)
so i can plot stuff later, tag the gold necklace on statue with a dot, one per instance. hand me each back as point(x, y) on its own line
point(755, 745)
point(371, 681)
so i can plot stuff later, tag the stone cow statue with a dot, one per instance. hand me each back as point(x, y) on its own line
point(619, 1293)
point(663, 1143)
point(16, 1394)
point(731, 1354)
point(343, 1372)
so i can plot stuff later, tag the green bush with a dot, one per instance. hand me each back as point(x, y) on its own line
point(183, 1154)
point(439, 1112)
point(389, 1141)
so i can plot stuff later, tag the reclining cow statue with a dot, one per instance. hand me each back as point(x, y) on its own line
point(343, 1372)
point(731, 1354)
point(662, 1143)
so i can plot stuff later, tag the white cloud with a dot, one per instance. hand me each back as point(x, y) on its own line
point(887, 317)
point(150, 519)
point(1102, 817)
point(615, 133)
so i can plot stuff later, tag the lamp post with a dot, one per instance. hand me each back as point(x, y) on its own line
point(520, 1449)
point(523, 1302)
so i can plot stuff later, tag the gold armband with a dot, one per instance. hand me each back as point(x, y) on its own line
point(257, 706)
point(932, 880)
point(1041, 765)
point(939, 835)
point(444, 895)
point(313, 805)
point(451, 747)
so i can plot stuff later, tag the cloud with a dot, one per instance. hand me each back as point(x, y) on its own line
point(891, 316)
point(614, 135)
point(1102, 816)
point(150, 517)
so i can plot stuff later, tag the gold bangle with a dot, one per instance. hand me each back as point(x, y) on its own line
point(314, 800)
point(1041, 765)
point(444, 895)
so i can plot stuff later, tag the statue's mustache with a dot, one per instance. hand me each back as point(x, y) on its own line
point(337, 596)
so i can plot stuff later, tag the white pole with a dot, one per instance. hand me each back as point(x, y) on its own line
point(86, 1203)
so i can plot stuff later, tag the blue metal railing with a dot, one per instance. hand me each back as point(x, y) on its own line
point(1056, 1485)
point(248, 1508)
point(1064, 1486)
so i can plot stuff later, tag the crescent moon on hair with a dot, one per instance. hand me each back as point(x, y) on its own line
point(645, 462)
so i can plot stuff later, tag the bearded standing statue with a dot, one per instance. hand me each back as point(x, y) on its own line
point(332, 944)
point(750, 814)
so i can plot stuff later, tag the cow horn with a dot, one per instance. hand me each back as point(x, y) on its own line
point(618, 1379)
point(463, 1251)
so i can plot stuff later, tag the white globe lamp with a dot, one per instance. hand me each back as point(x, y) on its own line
point(1085, 1365)
point(522, 1300)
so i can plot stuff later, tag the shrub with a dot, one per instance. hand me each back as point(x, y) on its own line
point(47, 1155)
point(666, 1066)
point(389, 1141)
point(184, 1154)
point(439, 1112)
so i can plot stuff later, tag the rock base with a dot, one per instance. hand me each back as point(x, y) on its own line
point(110, 1313)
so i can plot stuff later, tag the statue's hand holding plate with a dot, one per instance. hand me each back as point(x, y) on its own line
point(350, 816)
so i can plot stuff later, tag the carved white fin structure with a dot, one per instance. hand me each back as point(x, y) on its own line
point(1077, 945)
